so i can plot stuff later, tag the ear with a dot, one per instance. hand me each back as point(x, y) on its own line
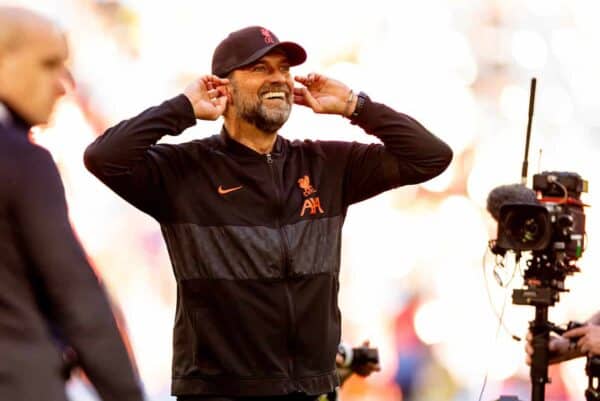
point(227, 91)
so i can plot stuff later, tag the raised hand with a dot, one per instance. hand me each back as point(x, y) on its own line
point(324, 95)
point(208, 95)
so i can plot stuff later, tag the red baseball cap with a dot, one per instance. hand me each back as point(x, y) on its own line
point(247, 45)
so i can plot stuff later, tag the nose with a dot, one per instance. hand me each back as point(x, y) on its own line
point(278, 76)
point(66, 82)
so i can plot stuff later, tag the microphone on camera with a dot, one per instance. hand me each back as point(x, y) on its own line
point(498, 197)
point(512, 193)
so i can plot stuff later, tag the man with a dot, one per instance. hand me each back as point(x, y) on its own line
point(253, 221)
point(581, 341)
point(49, 295)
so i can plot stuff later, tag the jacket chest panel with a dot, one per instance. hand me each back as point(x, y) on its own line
point(285, 191)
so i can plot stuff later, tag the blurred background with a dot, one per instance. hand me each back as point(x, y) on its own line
point(416, 277)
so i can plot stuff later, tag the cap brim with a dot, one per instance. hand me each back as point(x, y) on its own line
point(295, 53)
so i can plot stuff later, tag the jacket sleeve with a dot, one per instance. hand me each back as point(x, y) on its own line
point(127, 159)
point(410, 154)
point(78, 305)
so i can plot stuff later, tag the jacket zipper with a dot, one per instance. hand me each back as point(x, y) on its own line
point(285, 253)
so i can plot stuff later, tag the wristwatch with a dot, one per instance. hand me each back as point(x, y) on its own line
point(360, 103)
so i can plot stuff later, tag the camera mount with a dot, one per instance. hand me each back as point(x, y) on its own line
point(552, 228)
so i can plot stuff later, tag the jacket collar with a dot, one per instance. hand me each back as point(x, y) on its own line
point(11, 120)
point(234, 147)
point(5, 118)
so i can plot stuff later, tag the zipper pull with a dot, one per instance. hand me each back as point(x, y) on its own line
point(269, 158)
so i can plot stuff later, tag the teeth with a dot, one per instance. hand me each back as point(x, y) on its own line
point(274, 95)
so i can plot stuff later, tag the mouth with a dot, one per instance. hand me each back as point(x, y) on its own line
point(274, 96)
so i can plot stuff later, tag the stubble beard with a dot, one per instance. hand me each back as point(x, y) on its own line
point(253, 111)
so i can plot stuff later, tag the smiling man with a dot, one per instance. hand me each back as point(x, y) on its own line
point(253, 221)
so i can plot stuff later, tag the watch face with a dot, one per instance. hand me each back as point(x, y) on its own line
point(359, 103)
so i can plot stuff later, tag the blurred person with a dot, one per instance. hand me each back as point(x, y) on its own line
point(50, 298)
point(252, 221)
point(419, 375)
point(413, 356)
point(577, 342)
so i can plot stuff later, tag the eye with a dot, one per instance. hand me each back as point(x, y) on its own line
point(49, 64)
point(285, 68)
point(259, 68)
point(52, 64)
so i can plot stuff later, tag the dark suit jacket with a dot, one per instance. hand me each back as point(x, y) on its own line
point(45, 277)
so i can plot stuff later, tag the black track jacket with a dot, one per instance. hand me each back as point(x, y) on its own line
point(254, 239)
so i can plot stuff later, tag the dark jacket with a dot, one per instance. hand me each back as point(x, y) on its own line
point(48, 291)
point(255, 239)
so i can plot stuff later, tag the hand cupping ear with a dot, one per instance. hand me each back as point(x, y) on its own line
point(208, 95)
point(323, 95)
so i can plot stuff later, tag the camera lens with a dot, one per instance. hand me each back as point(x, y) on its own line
point(524, 227)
